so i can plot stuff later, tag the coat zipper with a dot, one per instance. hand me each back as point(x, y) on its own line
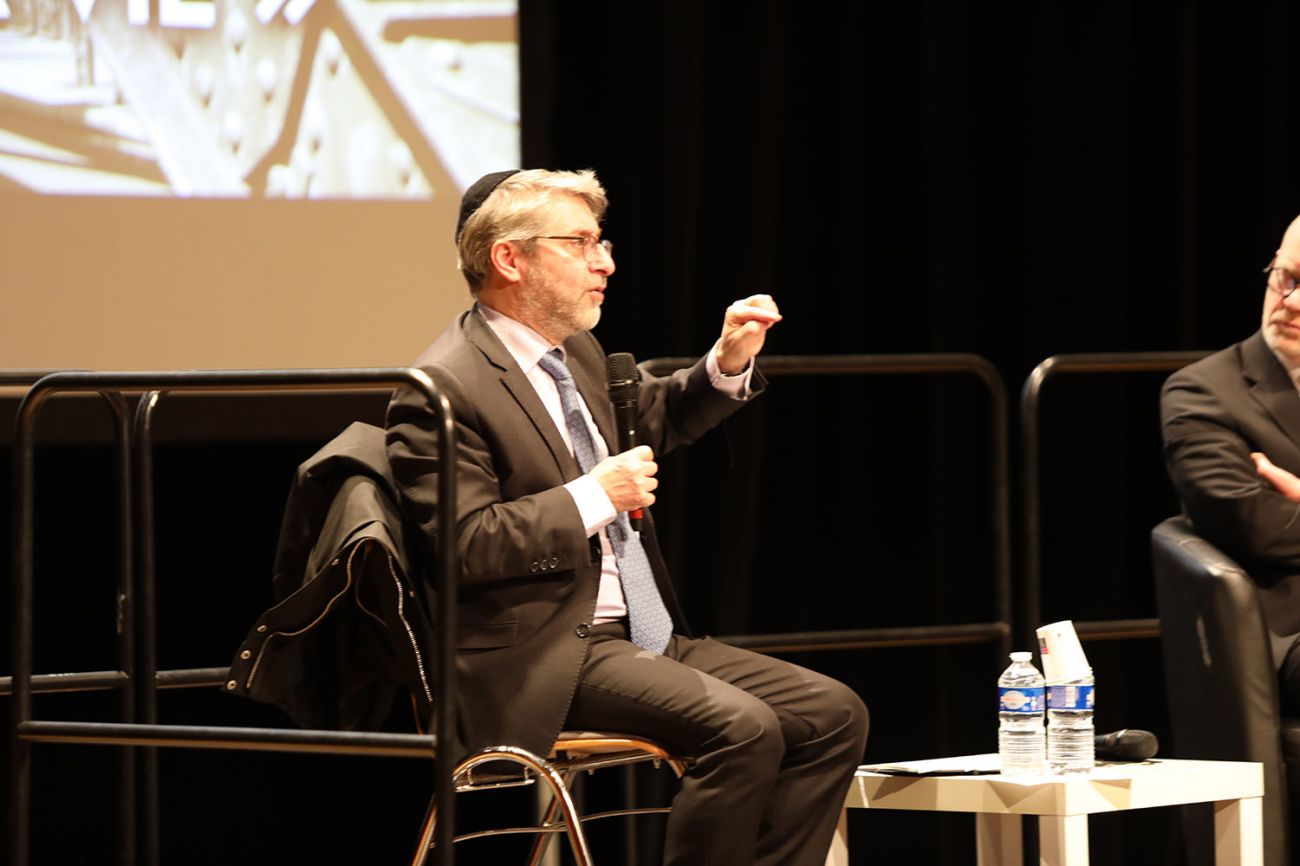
point(410, 633)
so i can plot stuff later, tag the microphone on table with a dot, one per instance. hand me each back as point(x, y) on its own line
point(624, 383)
point(1126, 745)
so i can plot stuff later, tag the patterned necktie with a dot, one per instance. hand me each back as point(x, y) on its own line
point(649, 622)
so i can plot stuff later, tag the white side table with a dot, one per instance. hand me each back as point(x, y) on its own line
point(1063, 804)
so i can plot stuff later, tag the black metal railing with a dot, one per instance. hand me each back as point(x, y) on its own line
point(137, 681)
point(1030, 397)
point(20, 377)
point(999, 631)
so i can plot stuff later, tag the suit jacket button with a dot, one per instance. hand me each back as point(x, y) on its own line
point(533, 568)
point(582, 630)
point(555, 562)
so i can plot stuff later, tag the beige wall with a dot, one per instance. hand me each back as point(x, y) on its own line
point(160, 283)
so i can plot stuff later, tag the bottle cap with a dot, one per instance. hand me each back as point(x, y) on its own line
point(1021, 656)
point(1063, 658)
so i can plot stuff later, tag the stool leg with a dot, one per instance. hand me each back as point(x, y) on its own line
point(543, 840)
point(426, 834)
point(544, 771)
point(572, 821)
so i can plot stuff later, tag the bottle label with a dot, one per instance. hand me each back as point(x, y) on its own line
point(1020, 700)
point(1069, 697)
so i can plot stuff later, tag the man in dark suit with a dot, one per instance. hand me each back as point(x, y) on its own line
point(568, 617)
point(1232, 447)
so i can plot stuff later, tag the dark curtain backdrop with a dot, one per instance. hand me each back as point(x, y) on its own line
point(1016, 182)
point(1013, 181)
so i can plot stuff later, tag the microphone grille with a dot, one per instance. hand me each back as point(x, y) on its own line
point(620, 370)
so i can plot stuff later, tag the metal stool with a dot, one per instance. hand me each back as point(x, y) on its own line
point(573, 753)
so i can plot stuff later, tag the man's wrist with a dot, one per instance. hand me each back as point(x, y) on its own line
point(594, 505)
point(734, 385)
point(727, 368)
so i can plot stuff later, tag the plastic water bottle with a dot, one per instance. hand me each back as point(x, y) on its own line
point(1021, 740)
point(1069, 726)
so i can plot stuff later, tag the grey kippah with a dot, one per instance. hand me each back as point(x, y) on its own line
point(478, 192)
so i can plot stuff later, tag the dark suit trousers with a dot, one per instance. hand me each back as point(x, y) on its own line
point(775, 745)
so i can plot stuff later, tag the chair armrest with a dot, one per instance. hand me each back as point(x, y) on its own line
point(1219, 672)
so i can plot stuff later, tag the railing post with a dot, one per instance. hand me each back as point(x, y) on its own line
point(1030, 397)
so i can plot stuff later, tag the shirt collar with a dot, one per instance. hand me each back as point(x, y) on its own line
point(524, 344)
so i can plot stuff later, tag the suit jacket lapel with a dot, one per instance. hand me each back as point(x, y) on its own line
point(1270, 385)
point(478, 332)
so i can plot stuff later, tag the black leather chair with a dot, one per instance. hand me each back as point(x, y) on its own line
point(1220, 680)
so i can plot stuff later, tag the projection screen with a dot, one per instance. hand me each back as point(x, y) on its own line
point(242, 183)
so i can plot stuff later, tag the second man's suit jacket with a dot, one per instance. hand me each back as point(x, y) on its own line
point(529, 573)
point(1214, 413)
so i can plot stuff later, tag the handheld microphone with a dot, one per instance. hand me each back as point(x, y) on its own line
point(1126, 745)
point(624, 380)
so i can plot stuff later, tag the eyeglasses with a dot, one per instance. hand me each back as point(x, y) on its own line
point(1286, 282)
point(587, 243)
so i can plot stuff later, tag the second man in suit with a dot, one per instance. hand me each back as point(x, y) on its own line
point(1232, 448)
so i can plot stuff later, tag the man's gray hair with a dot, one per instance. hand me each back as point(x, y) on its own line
point(516, 211)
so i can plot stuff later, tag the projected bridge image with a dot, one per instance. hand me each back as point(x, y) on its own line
point(236, 98)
